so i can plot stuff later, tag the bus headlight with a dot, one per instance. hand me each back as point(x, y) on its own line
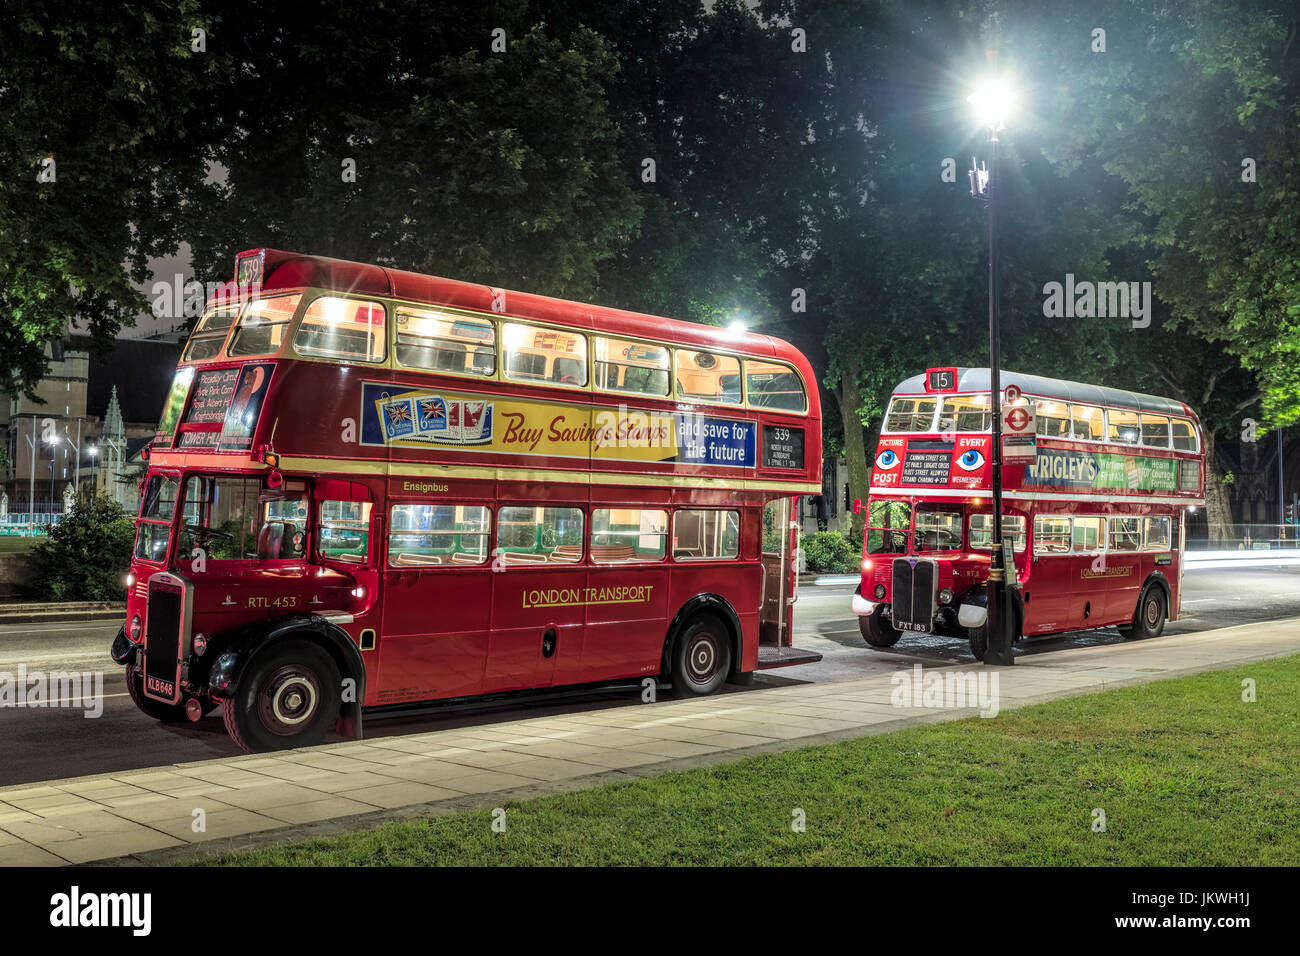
point(135, 630)
point(130, 580)
point(359, 592)
point(945, 596)
point(880, 592)
point(866, 564)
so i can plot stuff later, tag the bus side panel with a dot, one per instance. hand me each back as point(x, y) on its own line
point(738, 583)
point(627, 614)
point(527, 602)
point(435, 637)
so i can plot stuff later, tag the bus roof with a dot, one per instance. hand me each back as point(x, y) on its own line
point(285, 270)
point(977, 380)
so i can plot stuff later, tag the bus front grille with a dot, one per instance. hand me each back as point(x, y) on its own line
point(163, 640)
point(914, 594)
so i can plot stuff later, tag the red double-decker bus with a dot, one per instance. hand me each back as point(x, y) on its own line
point(372, 489)
point(1093, 516)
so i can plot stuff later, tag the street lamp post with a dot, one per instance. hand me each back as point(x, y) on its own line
point(992, 102)
point(94, 456)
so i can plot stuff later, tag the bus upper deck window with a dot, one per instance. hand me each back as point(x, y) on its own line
point(534, 354)
point(262, 326)
point(446, 343)
point(708, 377)
point(210, 334)
point(1089, 423)
point(774, 386)
point(625, 366)
point(911, 415)
point(1155, 431)
point(1122, 426)
point(348, 329)
point(963, 413)
point(1052, 418)
point(1184, 434)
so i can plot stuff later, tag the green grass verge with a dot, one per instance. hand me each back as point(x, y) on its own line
point(1186, 772)
point(17, 544)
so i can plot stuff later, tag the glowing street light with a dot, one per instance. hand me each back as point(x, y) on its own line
point(994, 101)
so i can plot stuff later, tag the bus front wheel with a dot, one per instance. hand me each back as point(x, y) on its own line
point(290, 697)
point(1149, 618)
point(167, 713)
point(701, 657)
point(876, 631)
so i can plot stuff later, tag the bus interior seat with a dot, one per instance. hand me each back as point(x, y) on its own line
point(270, 539)
point(407, 558)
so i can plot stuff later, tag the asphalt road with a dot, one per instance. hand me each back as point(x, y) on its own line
point(50, 743)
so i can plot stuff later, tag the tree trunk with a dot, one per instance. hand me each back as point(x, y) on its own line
point(1218, 510)
point(855, 452)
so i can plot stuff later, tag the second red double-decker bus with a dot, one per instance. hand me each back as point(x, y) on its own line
point(1094, 519)
point(372, 489)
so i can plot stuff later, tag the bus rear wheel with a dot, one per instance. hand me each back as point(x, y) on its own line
point(701, 657)
point(1149, 617)
point(290, 697)
point(167, 713)
point(876, 631)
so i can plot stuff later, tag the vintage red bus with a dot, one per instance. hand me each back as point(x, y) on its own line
point(372, 488)
point(1095, 519)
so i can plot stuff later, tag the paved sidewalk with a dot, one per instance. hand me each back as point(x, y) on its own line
point(256, 799)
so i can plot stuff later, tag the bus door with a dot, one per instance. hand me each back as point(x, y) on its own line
point(779, 559)
point(436, 601)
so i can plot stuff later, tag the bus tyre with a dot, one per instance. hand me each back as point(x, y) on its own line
point(701, 657)
point(1149, 618)
point(289, 697)
point(876, 631)
point(167, 713)
point(979, 640)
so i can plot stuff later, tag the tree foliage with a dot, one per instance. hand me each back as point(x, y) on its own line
point(111, 96)
point(87, 554)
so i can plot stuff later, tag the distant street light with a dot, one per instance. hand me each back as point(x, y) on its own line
point(994, 101)
point(94, 456)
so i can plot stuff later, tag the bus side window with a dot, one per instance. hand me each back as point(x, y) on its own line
point(1184, 434)
point(1125, 534)
point(1089, 423)
point(1089, 534)
point(700, 534)
point(1051, 534)
point(628, 535)
point(442, 534)
point(1122, 426)
point(1155, 431)
point(344, 531)
point(1053, 419)
point(1155, 533)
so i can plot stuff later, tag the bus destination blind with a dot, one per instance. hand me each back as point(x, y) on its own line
point(926, 467)
point(782, 447)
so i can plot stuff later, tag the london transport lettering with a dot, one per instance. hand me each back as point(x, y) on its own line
point(475, 422)
point(573, 597)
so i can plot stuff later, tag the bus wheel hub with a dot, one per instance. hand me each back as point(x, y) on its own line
point(288, 701)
